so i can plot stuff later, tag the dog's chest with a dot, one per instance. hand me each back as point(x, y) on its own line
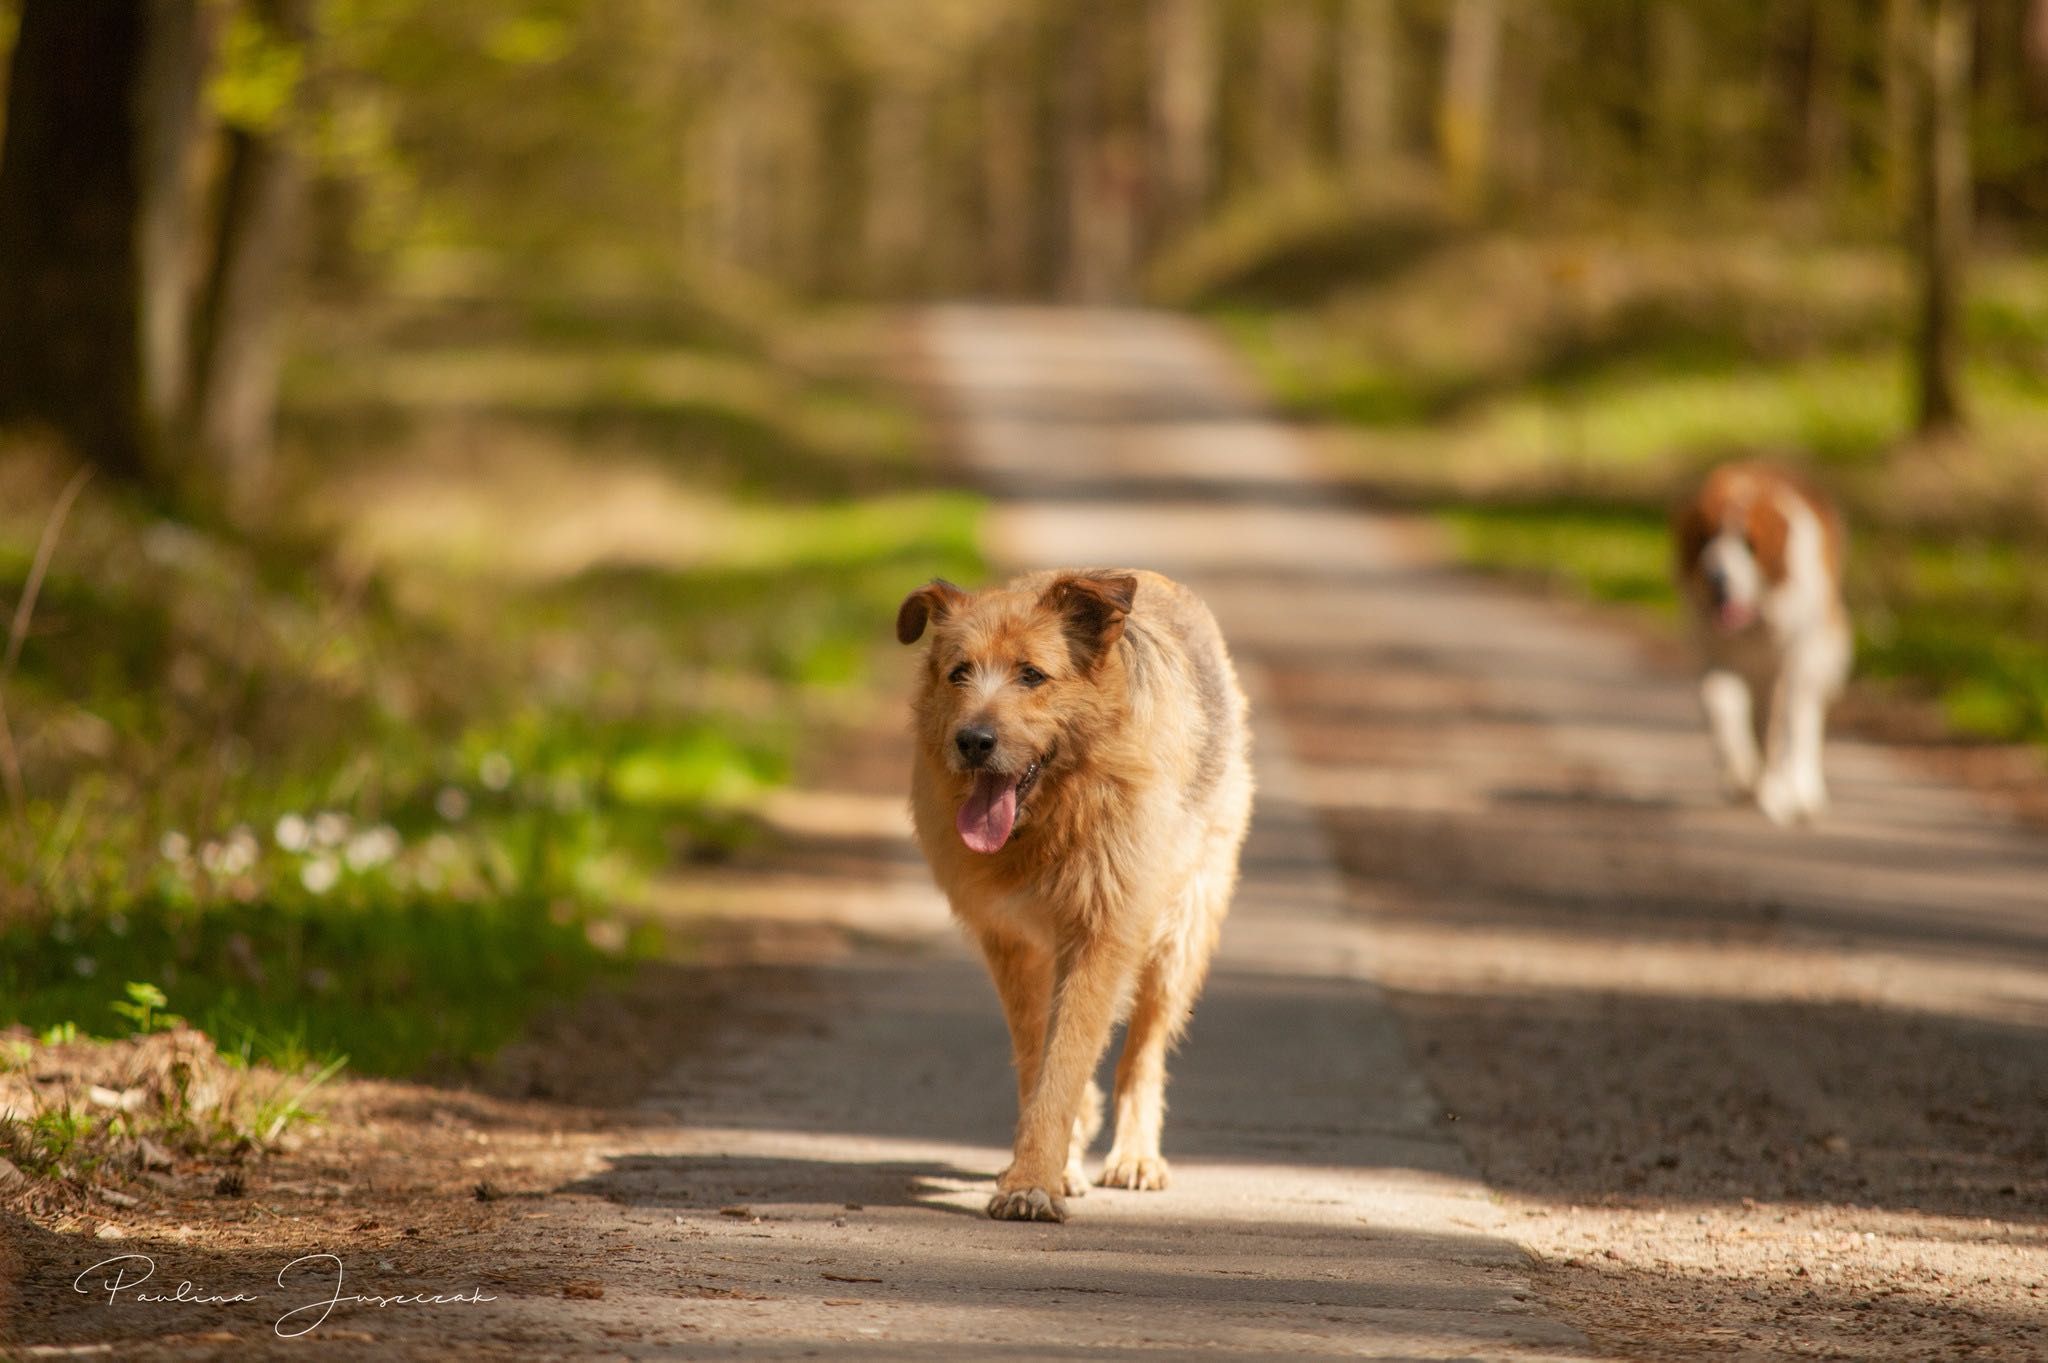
point(1013, 914)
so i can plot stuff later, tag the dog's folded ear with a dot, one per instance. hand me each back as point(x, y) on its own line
point(935, 598)
point(1094, 607)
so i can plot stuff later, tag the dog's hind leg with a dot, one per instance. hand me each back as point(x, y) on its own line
point(1165, 1000)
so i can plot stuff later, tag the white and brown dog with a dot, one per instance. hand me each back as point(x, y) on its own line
point(1759, 560)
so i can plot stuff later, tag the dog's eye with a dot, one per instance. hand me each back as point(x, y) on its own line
point(958, 674)
point(1031, 676)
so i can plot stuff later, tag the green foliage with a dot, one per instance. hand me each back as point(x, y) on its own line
point(372, 783)
point(118, 1105)
point(1617, 554)
point(1547, 398)
point(257, 76)
point(145, 1008)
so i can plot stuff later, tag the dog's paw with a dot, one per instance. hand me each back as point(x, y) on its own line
point(1027, 1204)
point(1778, 796)
point(1075, 1179)
point(1738, 790)
point(1146, 1173)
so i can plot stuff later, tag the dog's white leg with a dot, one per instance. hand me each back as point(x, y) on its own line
point(1807, 693)
point(1092, 979)
point(1791, 748)
point(1725, 697)
point(1794, 784)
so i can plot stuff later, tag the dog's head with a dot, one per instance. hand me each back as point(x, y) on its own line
point(1015, 679)
point(1732, 541)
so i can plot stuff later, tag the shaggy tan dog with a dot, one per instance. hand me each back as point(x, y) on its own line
point(1081, 789)
point(1759, 560)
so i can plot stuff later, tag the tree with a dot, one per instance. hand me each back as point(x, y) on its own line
point(231, 407)
point(1941, 226)
point(95, 226)
point(1367, 98)
point(1284, 136)
point(153, 370)
point(1465, 108)
point(1009, 163)
point(1182, 95)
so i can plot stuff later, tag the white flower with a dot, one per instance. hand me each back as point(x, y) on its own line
point(329, 828)
point(372, 847)
point(211, 855)
point(495, 771)
point(293, 833)
point(239, 853)
point(174, 846)
point(319, 874)
point(86, 967)
point(452, 803)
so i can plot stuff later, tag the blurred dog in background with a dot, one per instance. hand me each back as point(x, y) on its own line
point(1759, 561)
point(1081, 787)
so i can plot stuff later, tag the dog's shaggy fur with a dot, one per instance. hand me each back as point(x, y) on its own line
point(1081, 788)
point(1759, 560)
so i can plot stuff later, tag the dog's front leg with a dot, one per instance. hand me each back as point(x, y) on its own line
point(1092, 977)
point(1022, 972)
point(1792, 786)
point(1725, 697)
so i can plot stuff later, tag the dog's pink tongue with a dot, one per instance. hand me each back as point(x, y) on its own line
point(1733, 616)
point(990, 812)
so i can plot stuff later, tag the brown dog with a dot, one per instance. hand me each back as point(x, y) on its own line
point(1759, 560)
point(1081, 789)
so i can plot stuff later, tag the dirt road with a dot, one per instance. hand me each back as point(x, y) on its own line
point(1520, 1045)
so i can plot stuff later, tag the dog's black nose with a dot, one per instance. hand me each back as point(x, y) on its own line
point(1717, 584)
point(975, 742)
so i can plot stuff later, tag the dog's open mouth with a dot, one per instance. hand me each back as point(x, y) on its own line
point(1734, 616)
point(990, 811)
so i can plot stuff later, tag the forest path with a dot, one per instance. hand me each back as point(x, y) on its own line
point(1743, 1090)
point(1320, 1205)
point(1733, 1091)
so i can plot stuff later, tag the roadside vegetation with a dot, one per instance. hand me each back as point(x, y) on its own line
point(539, 614)
point(1548, 393)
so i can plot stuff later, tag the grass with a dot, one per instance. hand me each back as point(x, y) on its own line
point(540, 612)
point(1546, 394)
point(77, 1112)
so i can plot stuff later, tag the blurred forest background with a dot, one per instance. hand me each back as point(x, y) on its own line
point(453, 447)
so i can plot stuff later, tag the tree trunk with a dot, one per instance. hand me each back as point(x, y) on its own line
point(1902, 31)
point(1367, 97)
point(896, 217)
point(1675, 96)
point(1285, 134)
point(1101, 172)
point(1465, 110)
point(1823, 131)
point(94, 226)
point(1182, 95)
point(1942, 226)
point(1009, 147)
point(236, 350)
